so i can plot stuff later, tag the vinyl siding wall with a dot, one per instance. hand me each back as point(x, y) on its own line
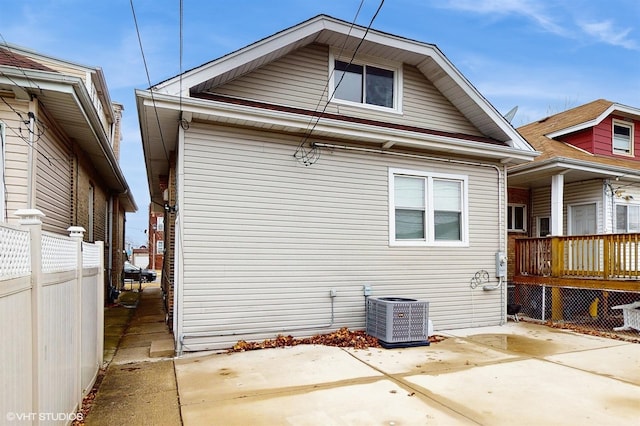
point(54, 181)
point(16, 158)
point(574, 194)
point(265, 240)
point(300, 80)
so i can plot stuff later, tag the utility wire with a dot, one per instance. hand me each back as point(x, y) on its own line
point(183, 123)
point(29, 79)
point(312, 157)
point(146, 68)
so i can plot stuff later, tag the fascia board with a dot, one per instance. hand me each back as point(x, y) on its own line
point(469, 89)
point(591, 123)
point(74, 87)
point(239, 57)
point(571, 164)
point(338, 128)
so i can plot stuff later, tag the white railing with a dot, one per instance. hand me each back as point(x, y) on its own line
point(51, 321)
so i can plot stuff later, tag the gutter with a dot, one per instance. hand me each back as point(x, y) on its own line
point(74, 86)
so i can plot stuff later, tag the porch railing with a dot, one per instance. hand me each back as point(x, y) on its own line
point(563, 260)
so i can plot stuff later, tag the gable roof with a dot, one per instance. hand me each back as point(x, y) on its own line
point(14, 59)
point(327, 30)
point(185, 95)
point(68, 101)
point(560, 157)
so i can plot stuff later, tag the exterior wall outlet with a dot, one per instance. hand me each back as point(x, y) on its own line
point(333, 292)
point(367, 290)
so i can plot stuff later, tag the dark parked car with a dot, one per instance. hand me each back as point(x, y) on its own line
point(132, 272)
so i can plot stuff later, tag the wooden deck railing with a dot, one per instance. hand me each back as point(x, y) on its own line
point(608, 261)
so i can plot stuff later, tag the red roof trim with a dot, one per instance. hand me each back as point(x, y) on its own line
point(273, 107)
point(12, 59)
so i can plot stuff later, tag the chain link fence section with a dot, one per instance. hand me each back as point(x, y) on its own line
point(584, 310)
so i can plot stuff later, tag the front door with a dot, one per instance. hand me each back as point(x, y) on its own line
point(583, 219)
point(584, 254)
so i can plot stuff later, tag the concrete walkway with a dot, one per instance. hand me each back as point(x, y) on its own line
point(139, 387)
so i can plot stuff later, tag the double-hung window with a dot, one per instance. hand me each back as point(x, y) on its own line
point(427, 208)
point(517, 217)
point(365, 84)
point(622, 138)
point(627, 218)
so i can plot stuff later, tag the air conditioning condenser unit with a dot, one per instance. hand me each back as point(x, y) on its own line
point(398, 321)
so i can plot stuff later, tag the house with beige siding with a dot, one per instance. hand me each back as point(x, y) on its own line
point(60, 135)
point(317, 167)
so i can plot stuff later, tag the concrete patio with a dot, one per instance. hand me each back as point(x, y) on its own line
point(523, 374)
point(519, 373)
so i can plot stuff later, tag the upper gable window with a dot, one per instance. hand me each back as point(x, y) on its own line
point(365, 84)
point(622, 138)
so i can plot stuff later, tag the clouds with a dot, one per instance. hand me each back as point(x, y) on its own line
point(542, 55)
point(561, 18)
point(608, 32)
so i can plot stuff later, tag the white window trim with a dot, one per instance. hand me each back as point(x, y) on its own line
point(524, 219)
point(615, 215)
point(538, 220)
point(429, 240)
point(160, 246)
point(397, 83)
point(621, 123)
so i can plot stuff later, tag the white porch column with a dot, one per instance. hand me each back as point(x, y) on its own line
point(557, 198)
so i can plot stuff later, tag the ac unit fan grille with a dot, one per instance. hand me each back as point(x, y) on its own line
point(397, 320)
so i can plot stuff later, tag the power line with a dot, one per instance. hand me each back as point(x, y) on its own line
point(313, 155)
point(29, 79)
point(146, 68)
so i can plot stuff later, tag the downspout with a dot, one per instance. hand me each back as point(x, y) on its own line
point(32, 159)
point(502, 193)
point(110, 244)
point(178, 259)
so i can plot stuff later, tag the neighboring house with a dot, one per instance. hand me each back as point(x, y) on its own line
point(290, 196)
point(60, 137)
point(156, 238)
point(585, 182)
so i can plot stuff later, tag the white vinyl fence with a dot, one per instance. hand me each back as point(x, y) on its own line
point(51, 321)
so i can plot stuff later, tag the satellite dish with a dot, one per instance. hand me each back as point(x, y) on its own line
point(509, 116)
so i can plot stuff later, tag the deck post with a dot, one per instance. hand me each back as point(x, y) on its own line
point(557, 261)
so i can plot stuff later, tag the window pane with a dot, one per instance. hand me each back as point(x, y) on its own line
point(633, 218)
point(348, 79)
point(379, 84)
point(544, 227)
point(621, 218)
point(409, 192)
point(409, 224)
point(519, 218)
point(622, 138)
point(446, 195)
point(447, 226)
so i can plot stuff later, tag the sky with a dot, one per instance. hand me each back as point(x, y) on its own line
point(543, 56)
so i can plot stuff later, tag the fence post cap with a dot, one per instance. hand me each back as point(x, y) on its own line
point(76, 231)
point(29, 216)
